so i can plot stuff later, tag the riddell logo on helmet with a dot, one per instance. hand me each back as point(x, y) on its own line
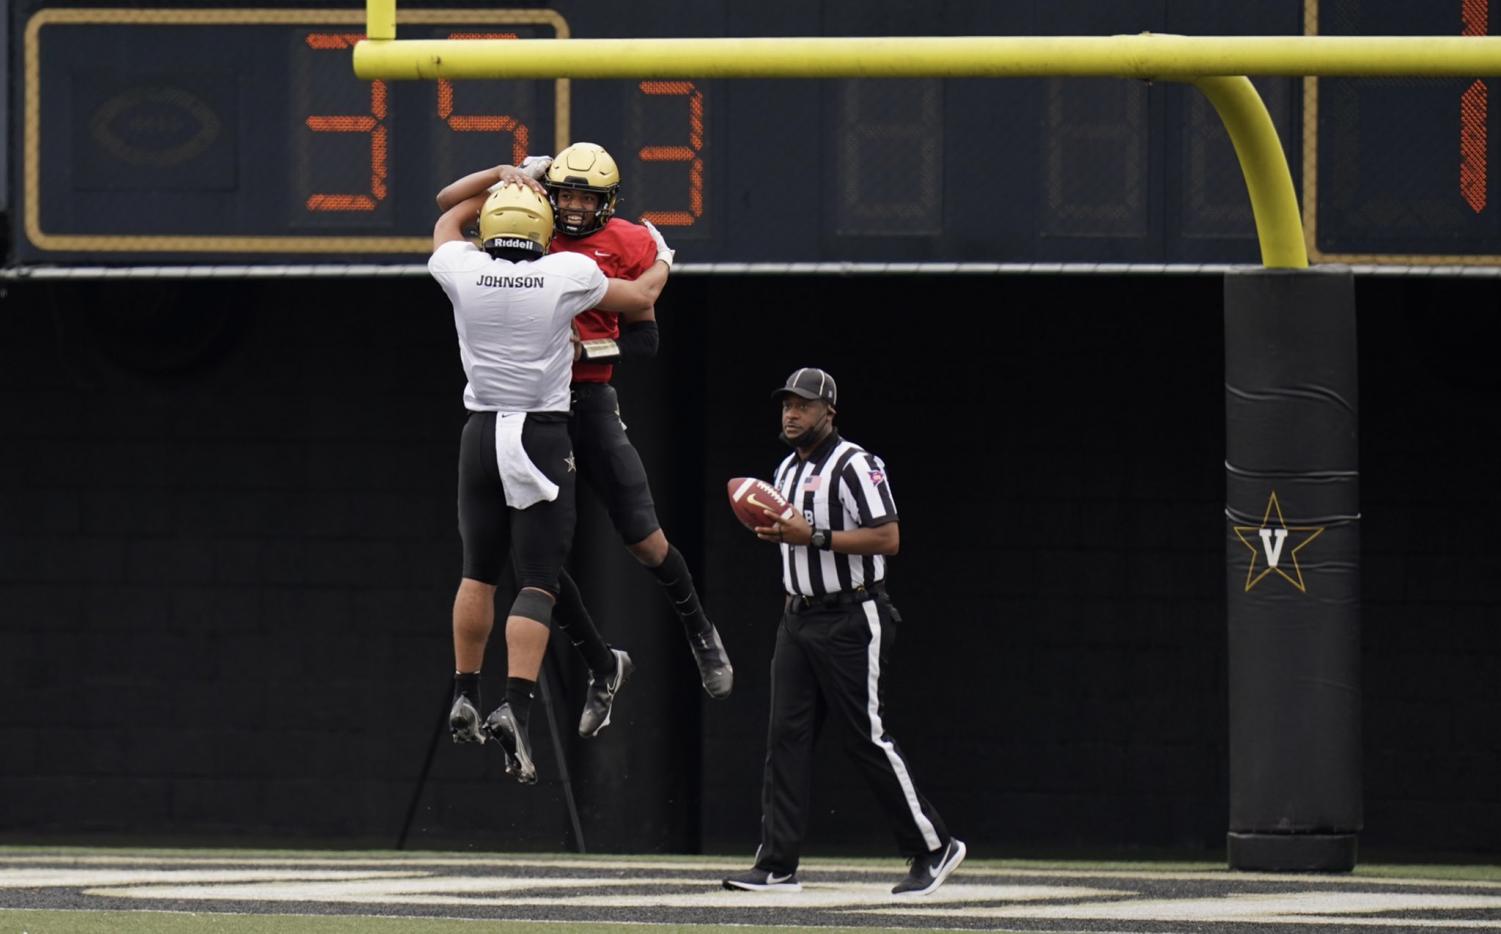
point(511, 243)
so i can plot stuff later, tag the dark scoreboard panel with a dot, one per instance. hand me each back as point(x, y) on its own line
point(203, 133)
point(217, 135)
point(1403, 168)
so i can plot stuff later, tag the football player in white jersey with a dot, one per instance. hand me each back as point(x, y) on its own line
point(513, 309)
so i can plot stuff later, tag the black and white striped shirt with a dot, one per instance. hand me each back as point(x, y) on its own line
point(840, 486)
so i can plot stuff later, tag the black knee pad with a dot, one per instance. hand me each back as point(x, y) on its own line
point(533, 604)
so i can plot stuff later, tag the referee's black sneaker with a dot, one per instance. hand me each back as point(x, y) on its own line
point(463, 721)
point(600, 696)
point(503, 728)
point(714, 668)
point(759, 880)
point(929, 871)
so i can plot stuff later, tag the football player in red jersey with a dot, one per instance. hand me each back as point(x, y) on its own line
point(583, 184)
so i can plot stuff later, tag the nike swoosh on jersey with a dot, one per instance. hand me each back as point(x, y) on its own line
point(602, 253)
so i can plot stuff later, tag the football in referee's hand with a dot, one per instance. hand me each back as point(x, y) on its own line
point(757, 503)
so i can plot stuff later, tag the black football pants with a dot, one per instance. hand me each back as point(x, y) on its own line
point(828, 666)
point(537, 538)
point(609, 464)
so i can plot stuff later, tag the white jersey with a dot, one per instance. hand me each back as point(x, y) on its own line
point(513, 323)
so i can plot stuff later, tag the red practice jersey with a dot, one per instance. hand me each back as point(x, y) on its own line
point(623, 250)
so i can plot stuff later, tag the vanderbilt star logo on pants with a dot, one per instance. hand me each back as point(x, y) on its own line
point(1270, 545)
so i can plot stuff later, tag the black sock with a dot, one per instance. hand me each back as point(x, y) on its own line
point(675, 578)
point(571, 616)
point(519, 692)
point(467, 685)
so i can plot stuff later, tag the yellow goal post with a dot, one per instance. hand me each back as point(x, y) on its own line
point(1218, 66)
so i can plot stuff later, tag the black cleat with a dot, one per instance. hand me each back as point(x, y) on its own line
point(714, 668)
point(928, 872)
point(463, 721)
point(503, 728)
point(600, 697)
point(759, 880)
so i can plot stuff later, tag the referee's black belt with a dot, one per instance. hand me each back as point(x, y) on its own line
point(802, 604)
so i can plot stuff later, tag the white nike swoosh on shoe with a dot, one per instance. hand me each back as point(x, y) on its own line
point(774, 879)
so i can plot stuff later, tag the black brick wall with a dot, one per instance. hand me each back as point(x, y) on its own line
point(1432, 574)
point(1059, 677)
point(227, 553)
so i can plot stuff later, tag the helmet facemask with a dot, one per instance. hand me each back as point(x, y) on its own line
point(608, 197)
point(584, 167)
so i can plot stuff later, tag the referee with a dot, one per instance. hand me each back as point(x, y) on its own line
point(834, 645)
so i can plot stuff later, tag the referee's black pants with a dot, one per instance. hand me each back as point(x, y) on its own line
point(829, 664)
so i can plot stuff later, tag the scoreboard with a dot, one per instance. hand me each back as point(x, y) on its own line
point(209, 134)
point(195, 132)
point(1398, 170)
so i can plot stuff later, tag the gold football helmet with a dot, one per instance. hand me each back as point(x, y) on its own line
point(516, 217)
point(584, 167)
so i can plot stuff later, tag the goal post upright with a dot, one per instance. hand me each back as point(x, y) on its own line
point(1274, 200)
point(380, 20)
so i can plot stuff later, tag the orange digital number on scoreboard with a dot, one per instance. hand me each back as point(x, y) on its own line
point(1475, 15)
point(374, 123)
point(364, 157)
point(482, 123)
point(690, 155)
point(1456, 203)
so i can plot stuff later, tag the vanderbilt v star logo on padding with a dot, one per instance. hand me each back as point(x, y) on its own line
point(1268, 545)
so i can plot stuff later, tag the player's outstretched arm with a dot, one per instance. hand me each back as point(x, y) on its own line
point(644, 322)
point(654, 280)
point(469, 186)
point(634, 295)
point(529, 173)
point(665, 254)
point(451, 222)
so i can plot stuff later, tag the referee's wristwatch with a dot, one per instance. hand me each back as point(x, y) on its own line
point(822, 539)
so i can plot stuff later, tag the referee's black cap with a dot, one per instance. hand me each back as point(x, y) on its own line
point(810, 382)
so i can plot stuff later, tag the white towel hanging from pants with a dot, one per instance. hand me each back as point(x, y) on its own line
point(525, 484)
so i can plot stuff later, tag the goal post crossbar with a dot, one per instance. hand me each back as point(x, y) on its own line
point(1216, 65)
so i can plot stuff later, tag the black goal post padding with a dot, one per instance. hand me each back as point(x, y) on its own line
point(1292, 555)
